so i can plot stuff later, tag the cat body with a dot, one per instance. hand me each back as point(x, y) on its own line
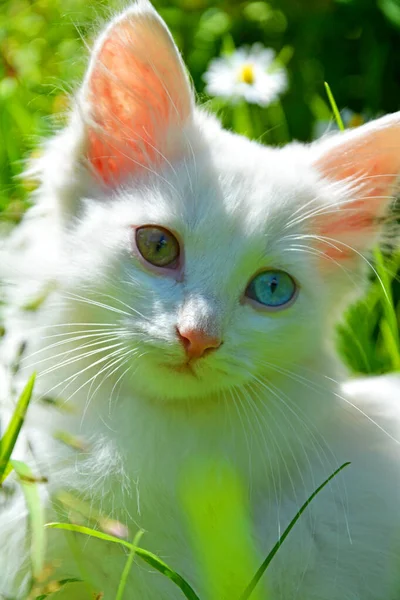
point(155, 380)
point(322, 558)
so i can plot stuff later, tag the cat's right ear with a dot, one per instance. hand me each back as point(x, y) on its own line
point(367, 161)
point(135, 100)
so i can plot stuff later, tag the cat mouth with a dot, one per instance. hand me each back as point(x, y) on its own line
point(185, 368)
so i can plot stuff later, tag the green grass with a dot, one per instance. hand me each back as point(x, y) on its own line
point(178, 580)
point(9, 438)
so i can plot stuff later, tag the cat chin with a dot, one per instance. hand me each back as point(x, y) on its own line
point(180, 384)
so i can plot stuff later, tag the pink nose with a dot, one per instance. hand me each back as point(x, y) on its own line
point(197, 342)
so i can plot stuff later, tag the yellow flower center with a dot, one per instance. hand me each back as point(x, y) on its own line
point(246, 74)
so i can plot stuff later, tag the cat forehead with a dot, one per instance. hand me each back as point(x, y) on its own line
point(228, 202)
point(228, 182)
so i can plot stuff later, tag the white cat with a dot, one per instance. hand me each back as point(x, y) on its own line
point(193, 279)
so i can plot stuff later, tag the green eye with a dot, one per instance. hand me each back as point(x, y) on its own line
point(158, 246)
point(275, 289)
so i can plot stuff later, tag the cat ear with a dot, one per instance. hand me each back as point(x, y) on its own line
point(136, 97)
point(367, 162)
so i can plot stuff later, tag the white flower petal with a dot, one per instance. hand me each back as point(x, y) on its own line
point(224, 76)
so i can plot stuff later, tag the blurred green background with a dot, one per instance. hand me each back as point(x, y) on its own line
point(352, 44)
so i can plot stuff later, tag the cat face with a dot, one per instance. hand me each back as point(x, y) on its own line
point(231, 222)
point(217, 262)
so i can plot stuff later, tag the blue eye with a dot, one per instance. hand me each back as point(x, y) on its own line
point(275, 289)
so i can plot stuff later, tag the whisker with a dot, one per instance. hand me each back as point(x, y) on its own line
point(271, 471)
point(332, 241)
point(114, 361)
point(337, 207)
point(79, 358)
point(96, 303)
point(231, 390)
point(76, 332)
point(72, 378)
point(133, 310)
point(318, 387)
point(73, 350)
point(101, 336)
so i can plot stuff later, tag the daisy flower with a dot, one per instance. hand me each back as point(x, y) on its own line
point(249, 73)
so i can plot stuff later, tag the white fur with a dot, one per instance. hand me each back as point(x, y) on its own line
point(270, 402)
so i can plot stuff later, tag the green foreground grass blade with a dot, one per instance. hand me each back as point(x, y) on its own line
point(389, 324)
point(7, 471)
point(30, 490)
point(335, 109)
point(150, 558)
point(250, 588)
point(214, 501)
point(128, 566)
point(9, 439)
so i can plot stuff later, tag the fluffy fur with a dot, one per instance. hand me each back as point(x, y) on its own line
point(271, 402)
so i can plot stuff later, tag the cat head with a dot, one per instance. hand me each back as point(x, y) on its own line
point(215, 261)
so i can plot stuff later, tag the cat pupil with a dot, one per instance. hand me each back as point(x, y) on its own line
point(273, 285)
point(161, 243)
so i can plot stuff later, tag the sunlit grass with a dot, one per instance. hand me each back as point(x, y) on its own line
point(9, 438)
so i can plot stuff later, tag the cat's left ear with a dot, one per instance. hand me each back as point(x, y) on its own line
point(367, 161)
point(136, 97)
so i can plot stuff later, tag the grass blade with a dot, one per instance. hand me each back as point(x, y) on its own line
point(128, 566)
point(214, 500)
point(7, 471)
point(335, 109)
point(150, 558)
point(80, 508)
point(36, 516)
point(250, 588)
point(389, 324)
point(9, 439)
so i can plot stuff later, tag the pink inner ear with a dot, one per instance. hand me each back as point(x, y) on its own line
point(138, 93)
point(371, 159)
point(344, 231)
